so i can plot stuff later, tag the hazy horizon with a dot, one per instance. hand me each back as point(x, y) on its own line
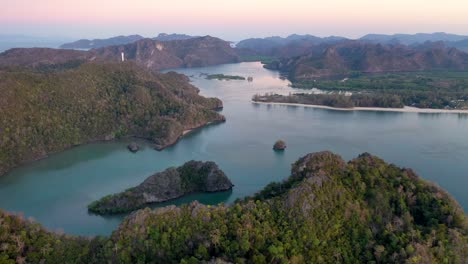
point(234, 20)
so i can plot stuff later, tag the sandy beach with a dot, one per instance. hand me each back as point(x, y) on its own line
point(406, 109)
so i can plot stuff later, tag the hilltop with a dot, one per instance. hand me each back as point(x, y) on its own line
point(327, 211)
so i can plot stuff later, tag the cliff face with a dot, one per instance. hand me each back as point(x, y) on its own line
point(44, 112)
point(347, 57)
point(148, 53)
point(327, 211)
point(193, 176)
point(157, 55)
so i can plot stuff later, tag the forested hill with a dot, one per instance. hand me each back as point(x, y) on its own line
point(148, 53)
point(347, 58)
point(327, 211)
point(49, 110)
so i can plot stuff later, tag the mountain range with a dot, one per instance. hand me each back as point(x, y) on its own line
point(296, 45)
point(148, 53)
point(343, 58)
point(410, 39)
point(273, 46)
point(86, 44)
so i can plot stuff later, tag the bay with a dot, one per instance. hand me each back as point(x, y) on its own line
point(56, 191)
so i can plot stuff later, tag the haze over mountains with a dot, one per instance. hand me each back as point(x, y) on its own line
point(119, 40)
point(294, 45)
point(303, 56)
point(410, 39)
point(265, 46)
point(99, 43)
point(8, 41)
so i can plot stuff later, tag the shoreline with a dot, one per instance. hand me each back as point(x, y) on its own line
point(405, 109)
point(104, 140)
point(188, 131)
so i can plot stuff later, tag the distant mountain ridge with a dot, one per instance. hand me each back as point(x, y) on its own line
point(278, 46)
point(450, 40)
point(151, 54)
point(174, 36)
point(86, 44)
point(100, 43)
point(357, 56)
point(297, 45)
point(409, 39)
point(8, 41)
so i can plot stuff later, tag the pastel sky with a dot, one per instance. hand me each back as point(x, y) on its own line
point(232, 20)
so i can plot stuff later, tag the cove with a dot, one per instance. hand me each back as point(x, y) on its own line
point(55, 191)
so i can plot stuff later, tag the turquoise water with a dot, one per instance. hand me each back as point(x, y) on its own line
point(55, 191)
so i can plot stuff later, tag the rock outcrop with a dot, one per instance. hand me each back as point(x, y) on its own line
point(279, 145)
point(133, 147)
point(193, 176)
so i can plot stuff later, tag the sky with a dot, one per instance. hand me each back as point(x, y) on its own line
point(230, 20)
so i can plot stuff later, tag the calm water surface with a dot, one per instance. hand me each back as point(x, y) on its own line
point(55, 191)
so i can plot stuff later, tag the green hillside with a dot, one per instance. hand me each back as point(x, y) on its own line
point(327, 211)
point(49, 110)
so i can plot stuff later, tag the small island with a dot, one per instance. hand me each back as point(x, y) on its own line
point(193, 176)
point(280, 145)
point(222, 77)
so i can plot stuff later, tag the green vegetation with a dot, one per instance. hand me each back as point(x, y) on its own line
point(193, 176)
point(261, 58)
point(224, 77)
point(50, 109)
point(327, 211)
point(335, 99)
point(24, 241)
point(420, 89)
